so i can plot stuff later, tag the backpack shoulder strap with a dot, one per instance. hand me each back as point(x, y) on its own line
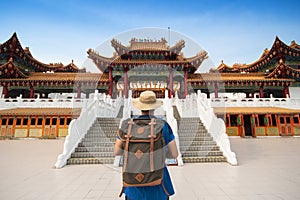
point(152, 136)
point(127, 136)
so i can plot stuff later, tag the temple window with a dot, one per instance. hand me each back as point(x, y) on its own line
point(47, 121)
point(69, 120)
point(274, 122)
point(288, 119)
point(54, 121)
point(40, 121)
point(19, 122)
point(296, 119)
point(4, 120)
point(10, 121)
point(32, 121)
point(25, 121)
point(62, 121)
point(261, 120)
point(233, 120)
point(281, 120)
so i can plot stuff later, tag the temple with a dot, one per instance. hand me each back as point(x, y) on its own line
point(41, 100)
point(147, 64)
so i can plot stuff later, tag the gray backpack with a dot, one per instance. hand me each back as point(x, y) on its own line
point(144, 152)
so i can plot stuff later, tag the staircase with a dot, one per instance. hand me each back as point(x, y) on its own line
point(98, 144)
point(196, 144)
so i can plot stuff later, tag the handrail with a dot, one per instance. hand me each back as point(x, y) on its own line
point(76, 131)
point(291, 103)
point(100, 105)
point(173, 124)
point(20, 102)
point(197, 105)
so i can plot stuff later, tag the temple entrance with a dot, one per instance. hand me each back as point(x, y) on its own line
point(247, 125)
point(159, 93)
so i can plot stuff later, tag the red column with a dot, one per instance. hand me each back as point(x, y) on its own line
point(285, 91)
point(79, 91)
point(5, 91)
point(125, 91)
point(170, 81)
point(110, 79)
point(31, 94)
point(216, 91)
point(185, 84)
point(261, 92)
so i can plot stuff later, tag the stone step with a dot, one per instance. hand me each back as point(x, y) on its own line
point(188, 138)
point(94, 149)
point(199, 148)
point(204, 159)
point(99, 128)
point(191, 131)
point(93, 155)
point(83, 161)
point(101, 135)
point(96, 144)
point(197, 143)
point(201, 153)
point(98, 140)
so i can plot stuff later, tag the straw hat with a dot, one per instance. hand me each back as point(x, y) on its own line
point(147, 101)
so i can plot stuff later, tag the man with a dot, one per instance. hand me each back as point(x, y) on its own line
point(147, 103)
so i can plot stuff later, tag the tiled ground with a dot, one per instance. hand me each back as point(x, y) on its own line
point(269, 168)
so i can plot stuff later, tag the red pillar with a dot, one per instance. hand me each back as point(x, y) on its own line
point(5, 91)
point(285, 91)
point(185, 84)
point(79, 91)
point(261, 92)
point(170, 81)
point(31, 94)
point(125, 91)
point(110, 79)
point(216, 91)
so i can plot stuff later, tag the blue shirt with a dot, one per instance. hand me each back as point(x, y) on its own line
point(154, 192)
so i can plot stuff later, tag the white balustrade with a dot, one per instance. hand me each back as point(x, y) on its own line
point(168, 108)
point(197, 105)
point(20, 102)
point(256, 102)
point(100, 105)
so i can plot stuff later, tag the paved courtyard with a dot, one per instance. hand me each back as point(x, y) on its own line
point(269, 168)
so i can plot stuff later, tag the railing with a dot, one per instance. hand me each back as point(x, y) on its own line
point(20, 102)
point(173, 124)
point(100, 106)
point(197, 105)
point(256, 102)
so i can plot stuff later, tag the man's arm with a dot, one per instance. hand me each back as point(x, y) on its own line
point(172, 150)
point(118, 150)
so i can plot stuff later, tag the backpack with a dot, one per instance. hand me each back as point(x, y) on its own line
point(144, 152)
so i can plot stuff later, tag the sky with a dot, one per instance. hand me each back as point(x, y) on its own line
point(235, 31)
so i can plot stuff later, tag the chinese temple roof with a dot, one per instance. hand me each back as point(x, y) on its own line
point(233, 77)
point(146, 51)
point(279, 53)
point(69, 77)
point(25, 62)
